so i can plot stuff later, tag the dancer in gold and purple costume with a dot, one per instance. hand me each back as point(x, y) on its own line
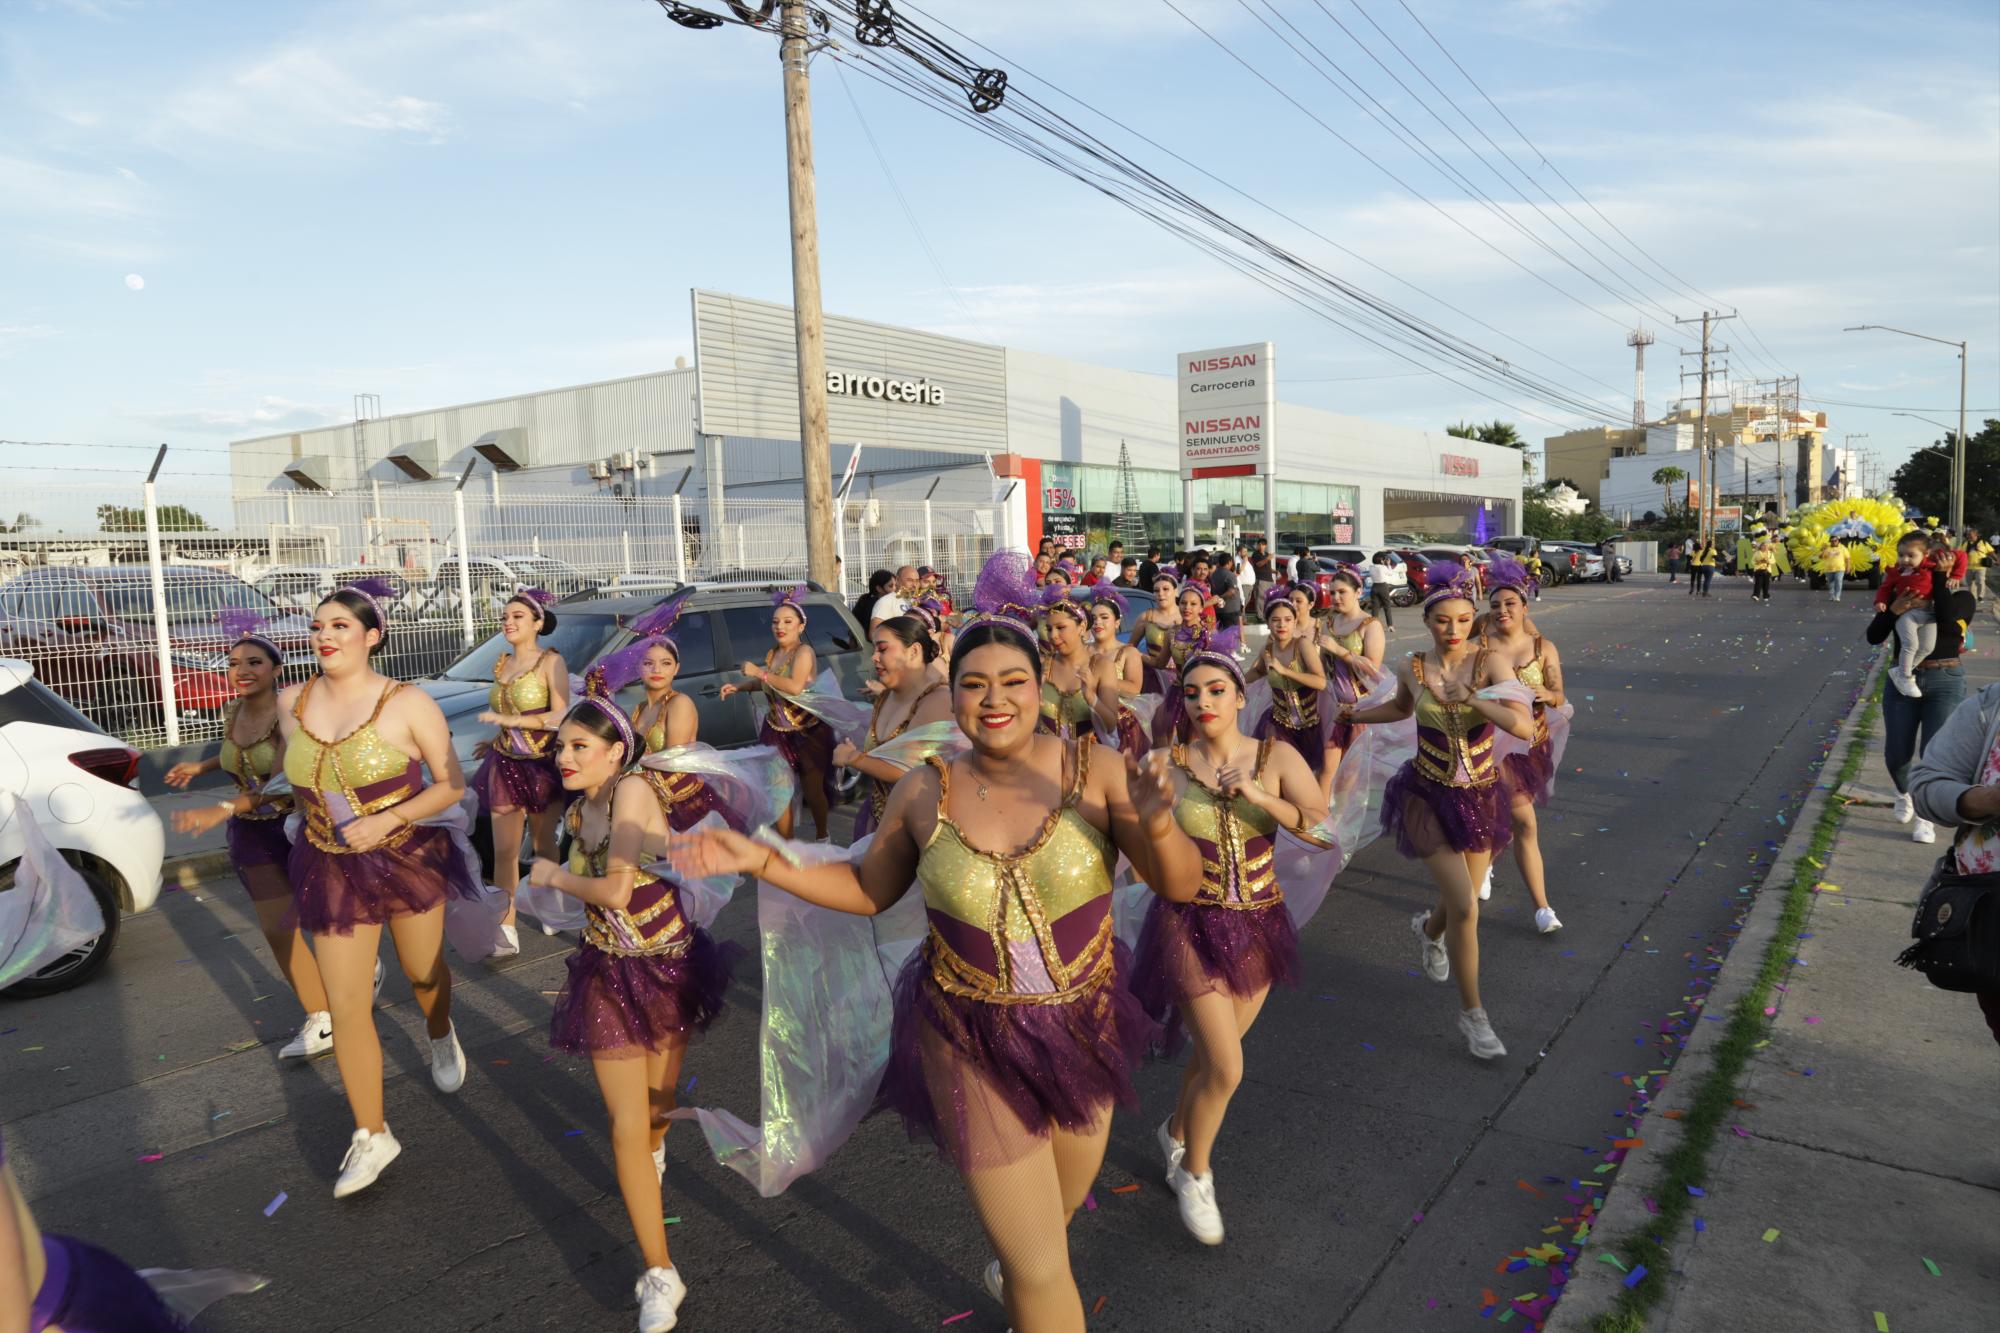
point(253, 754)
point(1447, 807)
point(375, 850)
point(1512, 640)
point(1351, 644)
point(516, 782)
point(1122, 668)
point(1013, 1034)
point(1208, 964)
point(911, 718)
point(792, 727)
point(1075, 702)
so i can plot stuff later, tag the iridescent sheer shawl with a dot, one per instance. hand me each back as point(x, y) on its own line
point(50, 910)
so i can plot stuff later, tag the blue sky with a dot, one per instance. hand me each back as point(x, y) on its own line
point(437, 202)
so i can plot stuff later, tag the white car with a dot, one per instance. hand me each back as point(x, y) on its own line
point(76, 782)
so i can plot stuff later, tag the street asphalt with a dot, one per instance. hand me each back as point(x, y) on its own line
point(1372, 1174)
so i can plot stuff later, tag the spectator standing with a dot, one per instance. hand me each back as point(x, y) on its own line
point(1228, 593)
point(1911, 722)
point(1149, 568)
point(1957, 784)
point(1833, 562)
point(1128, 573)
point(1978, 558)
point(1610, 550)
point(1306, 568)
point(881, 581)
point(1380, 585)
point(1674, 563)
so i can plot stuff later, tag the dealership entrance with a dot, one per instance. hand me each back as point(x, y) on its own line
point(1433, 516)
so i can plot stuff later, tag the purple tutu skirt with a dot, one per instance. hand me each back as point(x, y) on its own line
point(1190, 949)
point(503, 782)
point(985, 1081)
point(254, 844)
point(806, 750)
point(1340, 736)
point(1152, 680)
point(1531, 774)
point(1310, 740)
point(337, 891)
point(1427, 816)
point(615, 1003)
point(88, 1290)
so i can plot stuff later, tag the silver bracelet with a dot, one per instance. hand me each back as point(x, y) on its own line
point(229, 805)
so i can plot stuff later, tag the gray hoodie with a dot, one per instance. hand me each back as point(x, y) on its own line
point(1953, 759)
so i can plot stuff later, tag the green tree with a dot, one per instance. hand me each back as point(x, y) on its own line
point(127, 518)
point(22, 522)
point(1925, 480)
point(1664, 478)
point(1497, 432)
point(1538, 519)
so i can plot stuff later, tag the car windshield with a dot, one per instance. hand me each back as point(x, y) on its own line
point(580, 639)
point(189, 601)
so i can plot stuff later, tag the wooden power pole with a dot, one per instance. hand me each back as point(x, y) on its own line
point(1706, 448)
point(815, 464)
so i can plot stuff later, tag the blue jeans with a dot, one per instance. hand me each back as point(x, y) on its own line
point(1904, 718)
point(1834, 580)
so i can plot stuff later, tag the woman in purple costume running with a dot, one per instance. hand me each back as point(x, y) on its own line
point(1513, 642)
point(1119, 666)
point(1351, 644)
point(1291, 663)
point(1447, 807)
point(516, 784)
point(911, 696)
point(1014, 1035)
point(357, 745)
point(802, 737)
point(645, 979)
point(1209, 963)
point(252, 753)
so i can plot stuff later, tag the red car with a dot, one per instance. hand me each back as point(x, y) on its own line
point(90, 634)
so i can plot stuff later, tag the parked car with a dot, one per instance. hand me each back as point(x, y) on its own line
point(301, 588)
point(1589, 563)
point(549, 574)
point(724, 626)
point(77, 783)
point(495, 578)
point(1520, 547)
point(89, 634)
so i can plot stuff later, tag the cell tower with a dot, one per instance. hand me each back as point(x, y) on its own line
point(1639, 340)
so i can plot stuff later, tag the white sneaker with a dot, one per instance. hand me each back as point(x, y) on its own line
point(660, 1161)
point(1905, 682)
point(1906, 809)
point(379, 974)
point(996, 1287)
point(1198, 1211)
point(367, 1155)
point(448, 1061)
point(508, 945)
point(1923, 831)
point(1546, 922)
point(1437, 963)
point(1479, 1034)
point(1171, 1148)
point(315, 1038)
point(660, 1293)
point(1486, 885)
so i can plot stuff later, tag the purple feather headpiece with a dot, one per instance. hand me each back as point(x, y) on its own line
point(539, 598)
point(1280, 596)
point(930, 611)
point(243, 625)
point(1352, 573)
point(1106, 595)
point(619, 722)
point(1061, 598)
point(1005, 592)
point(660, 621)
point(374, 590)
point(1220, 651)
point(794, 597)
point(1447, 579)
point(1505, 572)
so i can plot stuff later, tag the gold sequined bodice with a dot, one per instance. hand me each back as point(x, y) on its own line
point(250, 765)
point(1066, 712)
point(329, 777)
point(651, 924)
point(653, 737)
point(1156, 634)
point(1454, 742)
point(1234, 837)
point(785, 715)
point(523, 696)
point(1534, 674)
point(1015, 901)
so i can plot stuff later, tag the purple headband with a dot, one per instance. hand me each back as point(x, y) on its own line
point(792, 597)
point(1105, 595)
point(373, 591)
point(243, 625)
point(1219, 652)
point(1448, 580)
point(618, 720)
point(1506, 574)
point(539, 598)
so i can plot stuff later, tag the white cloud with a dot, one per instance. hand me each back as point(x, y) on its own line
point(269, 414)
point(34, 188)
point(288, 100)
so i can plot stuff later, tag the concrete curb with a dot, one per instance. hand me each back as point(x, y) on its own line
point(1594, 1288)
point(188, 871)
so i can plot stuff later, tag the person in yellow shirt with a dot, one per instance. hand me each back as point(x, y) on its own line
point(1763, 564)
point(1833, 562)
point(1978, 556)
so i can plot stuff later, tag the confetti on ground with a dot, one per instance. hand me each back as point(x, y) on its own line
point(1132, 1188)
point(1090, 1202)
point(153, 1157)
point(275, 1204)
point(1613, 1260)
point(1697, 1191)
point(953, 1319)
point(572, 1133)
point(671, 1221)
point(1097, 1308)
point(1633, 1278)
point(1881, 1322)
point(250, 1045)
point(1700, 1224)
point(1770, 1234)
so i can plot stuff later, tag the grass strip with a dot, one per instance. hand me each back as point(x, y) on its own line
point(1710, 1107)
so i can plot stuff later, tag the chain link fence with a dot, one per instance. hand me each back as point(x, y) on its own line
point(120, 618)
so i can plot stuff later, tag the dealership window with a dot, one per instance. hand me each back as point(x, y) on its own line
point(1308, 512)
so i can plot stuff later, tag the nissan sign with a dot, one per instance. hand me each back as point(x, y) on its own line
point(1228, 401)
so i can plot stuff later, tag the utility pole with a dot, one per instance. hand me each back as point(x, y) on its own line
point(1707, 465)
point(815, 466)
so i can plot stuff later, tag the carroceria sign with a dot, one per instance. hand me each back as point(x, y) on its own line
point(889, 387)
point(1228, 397)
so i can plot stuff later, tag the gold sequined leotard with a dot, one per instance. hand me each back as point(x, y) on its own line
point(1065, 713)
point(651, 923)
point(1534, 674)
point(1033, 927)
point(785, 715)
point(654, 737)
point(1235, 838)
point(339, 781)
point(1292, 704)
point(878, 790)
point(1454, 741)
point(524, 696)
point(250, 765)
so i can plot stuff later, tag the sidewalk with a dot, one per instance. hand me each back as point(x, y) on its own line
point(1858, 1187)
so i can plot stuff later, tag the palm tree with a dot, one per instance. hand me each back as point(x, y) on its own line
point(1497, 432)
point(1665, 478)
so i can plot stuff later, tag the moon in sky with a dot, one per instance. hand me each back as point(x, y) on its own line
point(134, 281)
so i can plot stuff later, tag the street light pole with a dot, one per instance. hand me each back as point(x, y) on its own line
point(1957, 519)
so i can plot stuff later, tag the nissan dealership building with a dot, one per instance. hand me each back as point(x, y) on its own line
point(930, 415)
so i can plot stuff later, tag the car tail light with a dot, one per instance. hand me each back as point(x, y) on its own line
point(116, 765)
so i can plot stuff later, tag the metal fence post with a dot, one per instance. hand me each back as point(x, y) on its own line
point(680, 540)
point(625, 549)
point(464, 553)
point(930, 553)
point(169, 705)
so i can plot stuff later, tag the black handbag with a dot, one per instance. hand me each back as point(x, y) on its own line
point(1957, 929)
